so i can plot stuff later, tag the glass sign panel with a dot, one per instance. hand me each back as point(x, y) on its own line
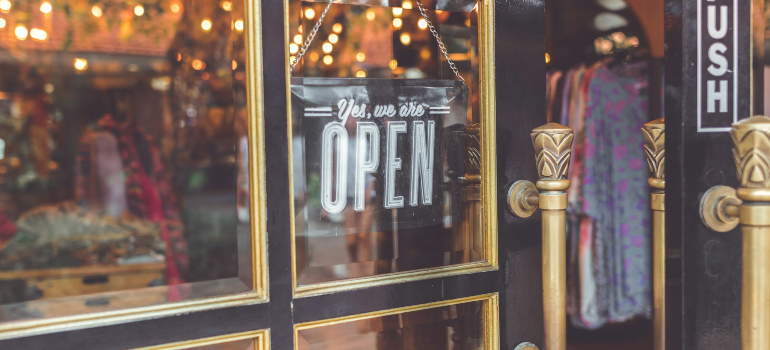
point(385, 139)
point(123, 155)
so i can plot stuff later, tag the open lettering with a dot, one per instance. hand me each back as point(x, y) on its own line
point(334, 159)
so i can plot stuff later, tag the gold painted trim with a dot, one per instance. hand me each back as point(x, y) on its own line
point(258, 249)
point(488, 174)
point(261, 341)
point(490, 317)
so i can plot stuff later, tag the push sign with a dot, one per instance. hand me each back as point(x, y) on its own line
point(719, 69)
point(378, 146)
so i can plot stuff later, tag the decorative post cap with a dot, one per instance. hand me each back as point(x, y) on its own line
point(655, 147)
point(553, 144)
point(751, 151)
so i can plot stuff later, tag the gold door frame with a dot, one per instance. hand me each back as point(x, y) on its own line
point(490, 317)
point(488, 152)
point(261, 341)
point(258, 250)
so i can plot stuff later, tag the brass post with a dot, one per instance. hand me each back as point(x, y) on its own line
point(552, 155)
point(751, 152)
point(654, 146)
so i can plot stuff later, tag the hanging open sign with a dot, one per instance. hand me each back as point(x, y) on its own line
point(383, 146)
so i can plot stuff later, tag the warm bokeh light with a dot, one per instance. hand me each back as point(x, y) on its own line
point(360, 57)
point(96, 11)
point(235, 65)
point(178, 57)
point(176, 7)
point(328, 60)
point(326, 47)
point(293, 48)
point(21, 32)
point(292, 59)
point(198, 64)
point(406, 39)
point(298, 39)
point(46, 7)
point(407, 4)
point(370, 15)
point(2, 23)
point(337, 28)
point(425, 53)
point(38, 34)
point(314, 56)
point(547, 58)
point(397, 11)
point(206, 25)
point(361, 74)
point(393, 64)
point(5, 5)
point(139, 10)
point(397, 23)
point(422, 23)
point(226, 5)
point(80, 63)
point(238, 25)
point(309, 13)
point(333, 38)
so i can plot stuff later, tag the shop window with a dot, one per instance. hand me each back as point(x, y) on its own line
point(124, 157)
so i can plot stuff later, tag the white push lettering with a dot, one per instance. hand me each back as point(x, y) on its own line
point(712, 96)
point(712, 21)
point(716, 53)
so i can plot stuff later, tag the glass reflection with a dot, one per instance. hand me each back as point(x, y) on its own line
point(363, 44)
point(123, 155)
point(447, 327)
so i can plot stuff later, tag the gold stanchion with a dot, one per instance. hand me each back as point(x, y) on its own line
point(654, 139)
point(552, 153)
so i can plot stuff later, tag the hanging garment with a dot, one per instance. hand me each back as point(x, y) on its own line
point(614, 188)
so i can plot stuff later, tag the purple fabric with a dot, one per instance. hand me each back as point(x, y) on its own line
point(615, 193)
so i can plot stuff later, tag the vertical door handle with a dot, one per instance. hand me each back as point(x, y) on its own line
point(654, 146)
point(552, 156)
point(722, 208)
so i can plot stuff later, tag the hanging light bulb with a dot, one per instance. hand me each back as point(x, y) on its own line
point(309, 13)
point(298, 39)
point(80, 63)
point(333, 38)
point(397, 23)
point(139, 10)
point(226, 5)
point(293, 48)
point(96, 11)
point(406, 39)
point(38, 34)
point(238, 25)
point(337, 28)
point(46, 7)
point(206, 25)
point(407, 4)
point(422, 23)
point(21, 32)
point(5, 5)
point(397, 11)
point(360, 57)
point(328, 60)
point(326, 47)
point(176, 7)
point(2, 23)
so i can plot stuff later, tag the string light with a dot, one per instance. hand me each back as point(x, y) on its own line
point(5, 5)
point(138, 10)
point(21, 32)
point(407, 4)
point(393, 64)
point(235, 65)
point(361, 74)
point(176, 7)
point(46, 7)
point(80, 63)
point(370, 15)
point(299, 29)
point(314, 56)
point(360, 57)
point(422, 23)
point(309, 13)
point(298, 39)
point(226, 5)
point(238, 25)
point(406, 39)
point(198, 64)
point(293, 48)
point(2, 23)
point(96, 11)
point(38, 34)
point(292, 59)
point(326, 47)
point(328, 60)
point(397, 23)
point(425, 53)
point(206, 25)
point(547, 58)
point(337, 28)
point(397, 11)
point(333, 38)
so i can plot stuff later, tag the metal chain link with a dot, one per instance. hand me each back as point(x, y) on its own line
point(310, 37)
point(313, 32)
point(440, 43)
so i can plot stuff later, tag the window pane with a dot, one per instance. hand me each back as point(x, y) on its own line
point(371, 204)
point(447, 327)
point(123, 155)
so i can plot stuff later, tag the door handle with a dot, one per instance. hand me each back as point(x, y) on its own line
point(553, 143)
point(654, 146)
point(722, 208)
